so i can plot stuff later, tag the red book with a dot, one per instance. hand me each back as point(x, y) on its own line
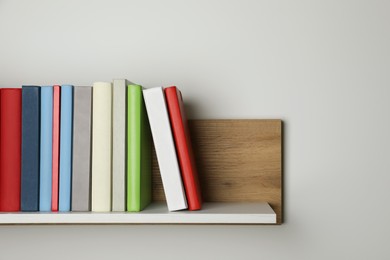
point(183, 147)
point(10, 148)
point(56, 147)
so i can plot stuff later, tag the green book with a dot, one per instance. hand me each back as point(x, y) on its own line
point(139, 151)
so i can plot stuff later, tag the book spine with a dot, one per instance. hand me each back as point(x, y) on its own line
point(81, 171)
point(165, 148)
point(101, 146)
point(118, 145)
point(183, 147)
point(56, 147)
point(10, 149)
point(45, 176)
point(31, 103)
point(138, 151)
point(66, 120)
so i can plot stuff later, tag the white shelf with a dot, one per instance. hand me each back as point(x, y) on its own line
point(156, 213)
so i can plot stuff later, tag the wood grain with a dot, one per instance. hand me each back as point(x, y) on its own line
point(237, 160)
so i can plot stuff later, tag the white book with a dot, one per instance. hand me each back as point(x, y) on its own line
point(119, 144)
point(101, 146)
point(165, 148)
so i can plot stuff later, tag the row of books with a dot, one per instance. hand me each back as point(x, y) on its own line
point(66, 148)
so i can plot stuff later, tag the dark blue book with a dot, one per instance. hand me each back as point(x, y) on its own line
point(31, 102)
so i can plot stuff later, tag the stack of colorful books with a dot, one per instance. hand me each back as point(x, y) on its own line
point(66, 148)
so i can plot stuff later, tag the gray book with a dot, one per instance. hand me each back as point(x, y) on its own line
point(81, 165)
point(118, 144)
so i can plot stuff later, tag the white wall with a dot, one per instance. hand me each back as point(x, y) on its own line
point(321, 66)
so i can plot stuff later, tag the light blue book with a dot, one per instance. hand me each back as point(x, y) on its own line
point(66, 125)
point(45, 173)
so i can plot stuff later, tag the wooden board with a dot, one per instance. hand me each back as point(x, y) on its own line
point(237, 160)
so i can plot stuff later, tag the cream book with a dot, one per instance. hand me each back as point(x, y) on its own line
point(101, 146)
point(119, 144)
point(165, 148)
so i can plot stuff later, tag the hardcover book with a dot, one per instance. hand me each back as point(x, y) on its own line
point(31, 103)
point(139, 152)
point(81, 171)
point(101, 146)
point(119, 145)
point(56, 147)
point(45, 176)
point(183, 147)
point(165, 148)
point(66, 117)
point(10, 148)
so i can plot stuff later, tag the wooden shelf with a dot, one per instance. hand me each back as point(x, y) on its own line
point(156, 213)
point(237, 161)
point(240, 172)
